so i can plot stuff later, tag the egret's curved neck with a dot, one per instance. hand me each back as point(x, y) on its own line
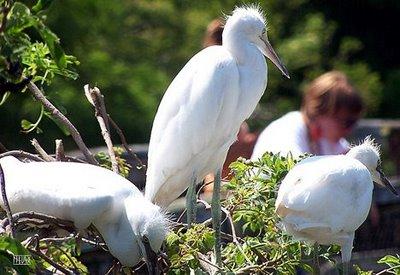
point(244, 51)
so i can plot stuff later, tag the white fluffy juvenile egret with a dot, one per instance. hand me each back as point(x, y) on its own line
point(201, 112)
point(324, 199)
point(132, 227)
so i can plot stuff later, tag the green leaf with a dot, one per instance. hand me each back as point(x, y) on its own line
point(41, 5)
point(390, 260)
point(20, 18)
point(52, 41)
point(14, 248)
point(4, 98)
point(26, 125)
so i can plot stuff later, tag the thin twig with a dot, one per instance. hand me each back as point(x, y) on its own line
point(206, 204)
point(96, 243)
point(125, 143)
point(19, 154)
point(60, 155)
point(38, 95)
point(388, 269)
point(5, 202)
point(50, 261)
point(68, 256)
point(58, 239)
point(181, 215)
point(41, 151)
point(247, 269)
point(95, 98)
point(64, 224)
point(113, 266)
point(204, 185)
point(211, 268)
point(234, 237)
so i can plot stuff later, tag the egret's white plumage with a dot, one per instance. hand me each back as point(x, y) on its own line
point(324, 199)
point(87, 194)
point(202, 109)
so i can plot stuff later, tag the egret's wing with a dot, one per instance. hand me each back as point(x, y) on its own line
point(318, 190)
point(190, 115)
point(300, 189)
point(73, 191)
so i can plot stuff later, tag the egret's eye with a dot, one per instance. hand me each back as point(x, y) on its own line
point(145, 239)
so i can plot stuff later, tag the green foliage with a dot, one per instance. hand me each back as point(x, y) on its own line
point(64, 254)
point(251, 200)
point(393, 263)
point(105, 161)
point(23, 55)
point(29, 51)
point(184, 246)
point(9, 248)
point(260, 245)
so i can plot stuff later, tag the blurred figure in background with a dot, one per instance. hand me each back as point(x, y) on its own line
point(330, 109)
point(213, 35)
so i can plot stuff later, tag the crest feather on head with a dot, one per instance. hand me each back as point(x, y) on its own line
point(252, 10)
point(369, 143)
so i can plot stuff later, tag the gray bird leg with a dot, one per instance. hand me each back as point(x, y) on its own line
point(347, 247)
point(191, 202)
point(315, 259)
point(216, 216)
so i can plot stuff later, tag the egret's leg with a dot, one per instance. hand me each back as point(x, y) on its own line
point(316, 260)
point(216, 216)
point(191, 202)
point(346, 248)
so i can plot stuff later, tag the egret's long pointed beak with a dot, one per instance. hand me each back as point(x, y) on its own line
point(150, 257)
point(269, 52)
point(385, 181)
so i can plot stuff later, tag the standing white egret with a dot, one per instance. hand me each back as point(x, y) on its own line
point(201, 112)
point(131, 226)
point(324, 199)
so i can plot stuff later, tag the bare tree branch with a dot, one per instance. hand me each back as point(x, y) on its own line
point(5, 201)
point(38, 95)
point(41, 151)
point(125, 143)
point(64, 224)
point(50, 261)
point(60, 155)
point(19, 154)
point(95, 98)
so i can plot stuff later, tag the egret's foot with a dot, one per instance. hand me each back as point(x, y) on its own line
point(216, 216)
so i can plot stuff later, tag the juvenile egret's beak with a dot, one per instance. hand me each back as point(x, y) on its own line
point(269, 52)
point(150, 257)
point(384, 181)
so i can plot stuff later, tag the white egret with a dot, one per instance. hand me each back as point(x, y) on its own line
point(132, 227)
point(324, 199)
point(202, 110)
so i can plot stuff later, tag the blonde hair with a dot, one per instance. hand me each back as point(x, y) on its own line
point(330, 93)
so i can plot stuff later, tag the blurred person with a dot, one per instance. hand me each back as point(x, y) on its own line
point(330, 109)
